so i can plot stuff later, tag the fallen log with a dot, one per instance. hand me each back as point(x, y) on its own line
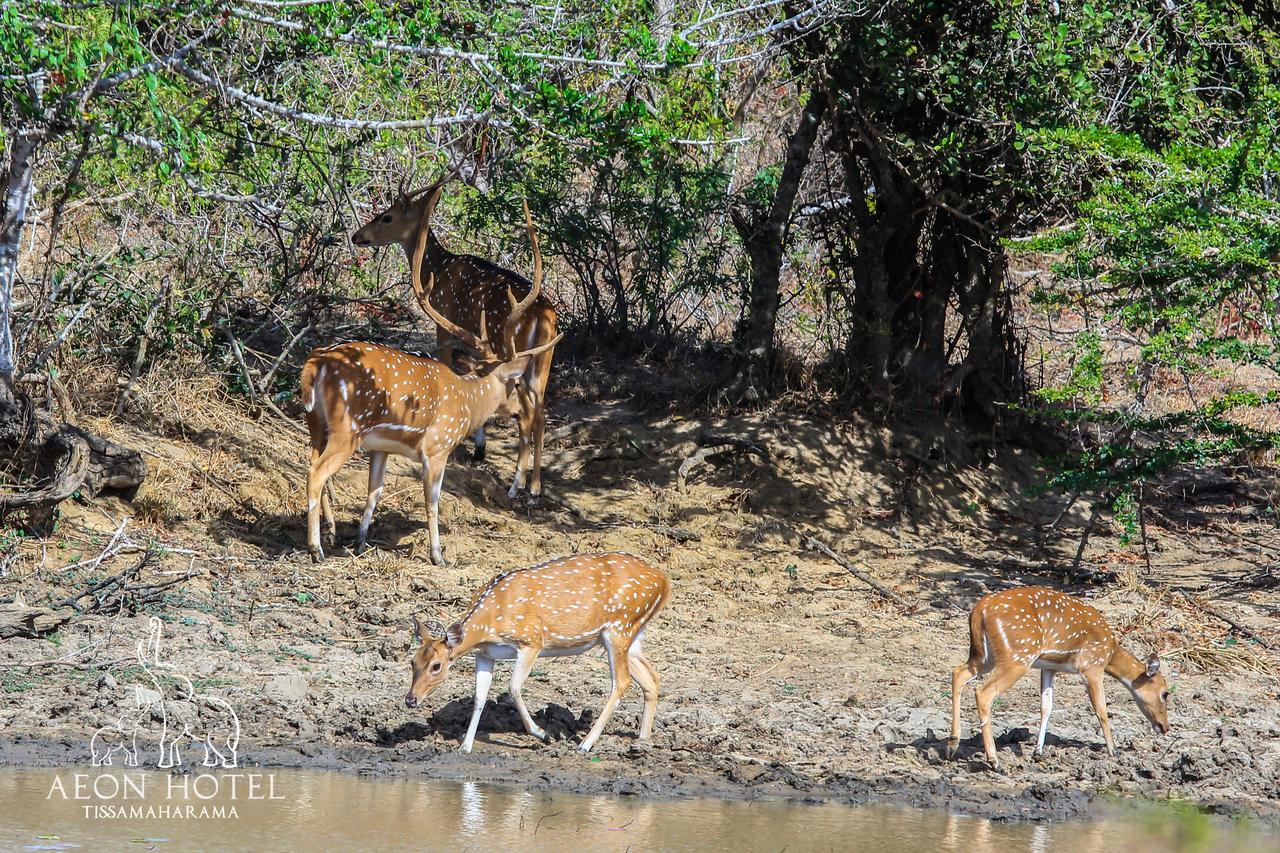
point(721, 446)
point(31, 622)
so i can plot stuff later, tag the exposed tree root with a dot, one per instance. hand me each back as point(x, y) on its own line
point(65, 458)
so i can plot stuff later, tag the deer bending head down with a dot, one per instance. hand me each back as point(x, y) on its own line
point(1016, 630)
point(477, 297)
point(565, 606)
point(373, 396)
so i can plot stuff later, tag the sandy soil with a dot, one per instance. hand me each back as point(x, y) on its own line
point(783, 675)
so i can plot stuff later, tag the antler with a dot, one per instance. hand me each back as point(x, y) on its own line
point(424, 296)
point(519, 308)
point(480, 343)
point(444, 179)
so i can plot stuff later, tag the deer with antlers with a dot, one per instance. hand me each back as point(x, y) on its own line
point(474, 298)
point(368, 395)
point(1017, 630)
point(566, 606)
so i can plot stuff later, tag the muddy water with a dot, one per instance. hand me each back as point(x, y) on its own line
point(255, 810)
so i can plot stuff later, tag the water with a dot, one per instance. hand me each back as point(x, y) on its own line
point(59, 809)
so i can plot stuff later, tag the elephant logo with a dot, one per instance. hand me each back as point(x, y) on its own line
point(188, 719)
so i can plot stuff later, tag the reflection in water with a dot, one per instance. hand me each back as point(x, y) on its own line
point(327, 811)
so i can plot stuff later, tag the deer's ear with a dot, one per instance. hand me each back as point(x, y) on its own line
point(1153, 666)
point(417, 630)
point(453, 636)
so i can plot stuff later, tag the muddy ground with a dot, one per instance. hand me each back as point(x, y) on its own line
point(783, 674)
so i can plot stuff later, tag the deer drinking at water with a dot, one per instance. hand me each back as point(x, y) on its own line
point(1016, 630)
point(471, 301)
point(565, 606)
point(368, 395)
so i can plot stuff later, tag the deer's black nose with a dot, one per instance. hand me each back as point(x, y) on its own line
point(410, 701)
point(360, 241)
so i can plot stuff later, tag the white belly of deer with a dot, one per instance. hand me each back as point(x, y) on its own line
point(1054, 665)
point(392, 443)
point(502, 651)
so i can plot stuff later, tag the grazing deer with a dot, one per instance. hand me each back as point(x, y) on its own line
point(368, 395)
point(1036, 627)
point(474, 296)
point(562, 607)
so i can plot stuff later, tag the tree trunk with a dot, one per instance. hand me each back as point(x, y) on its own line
point(20, 165)
point(65, 458)
point(765, 238)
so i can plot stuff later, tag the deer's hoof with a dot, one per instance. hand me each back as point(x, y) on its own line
point(316, 555)
point(953, 747)
point(437, 559)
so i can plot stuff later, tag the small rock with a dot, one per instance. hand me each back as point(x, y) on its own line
point(107, 682)
point(287, 689)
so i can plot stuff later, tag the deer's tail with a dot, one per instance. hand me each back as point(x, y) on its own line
point(978, 650)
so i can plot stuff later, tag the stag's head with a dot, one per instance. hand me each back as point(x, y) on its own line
point(400, 222)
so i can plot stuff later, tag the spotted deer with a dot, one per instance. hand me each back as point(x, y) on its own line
point(566, 606)
point(368, 395)
point(1034, 627)
point(473, 295)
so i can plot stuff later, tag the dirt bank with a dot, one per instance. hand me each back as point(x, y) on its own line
point(783, 675)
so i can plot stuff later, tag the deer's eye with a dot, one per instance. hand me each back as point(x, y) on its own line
point(435, 667)
point(387, 218)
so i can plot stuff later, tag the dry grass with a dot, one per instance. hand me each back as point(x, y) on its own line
point(1217, 656)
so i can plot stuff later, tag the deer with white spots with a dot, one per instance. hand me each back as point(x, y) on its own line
point(562, 607)
point(1034, 627)
point(368, 395)
point(473, 295)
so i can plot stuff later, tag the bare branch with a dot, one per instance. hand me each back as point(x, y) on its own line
point(323, 120)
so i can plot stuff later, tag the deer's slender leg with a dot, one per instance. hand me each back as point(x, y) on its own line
point(479, 437)
point(484, 677)
point(335, 454)
point(1046, 707)
point(960, 678)
point(620, 669)
point(647, 677)
point(377, 472)
point(326, 509)
point(541, 373)
point(1002, 680)
point(525, 658)
point(525, 424)
point(538, 428)
point(1098, 696)
point(432, 480)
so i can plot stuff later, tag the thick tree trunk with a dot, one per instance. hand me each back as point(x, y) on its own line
point(765, 238)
